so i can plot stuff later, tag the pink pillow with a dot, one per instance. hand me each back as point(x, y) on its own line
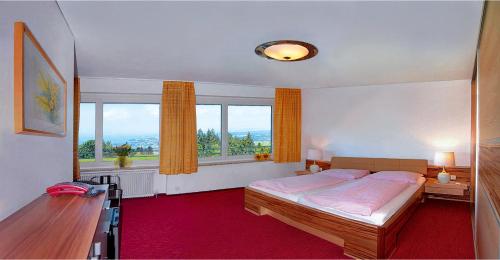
point(400, 176)
point(347, 174)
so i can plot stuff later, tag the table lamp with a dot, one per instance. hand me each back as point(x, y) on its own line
point(314, 154)
point(444, 159)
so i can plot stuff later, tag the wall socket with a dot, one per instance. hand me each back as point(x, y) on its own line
point(453, 177)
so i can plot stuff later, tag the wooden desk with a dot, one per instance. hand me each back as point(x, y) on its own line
point(52, 227)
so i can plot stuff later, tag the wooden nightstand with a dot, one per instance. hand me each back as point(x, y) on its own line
point(303, 172)
point(453, 190)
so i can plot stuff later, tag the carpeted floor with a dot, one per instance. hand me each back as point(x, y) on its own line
point(215, 225)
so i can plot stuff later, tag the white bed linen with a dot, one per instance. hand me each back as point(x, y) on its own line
point(378, 217)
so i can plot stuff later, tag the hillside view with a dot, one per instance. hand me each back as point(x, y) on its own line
point(146, 147)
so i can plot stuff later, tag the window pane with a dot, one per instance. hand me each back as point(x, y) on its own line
point(208, 121)
point(135, 124)
point(249, 130)
point(86, 133)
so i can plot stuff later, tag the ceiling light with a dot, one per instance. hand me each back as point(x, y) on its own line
point(286, 50)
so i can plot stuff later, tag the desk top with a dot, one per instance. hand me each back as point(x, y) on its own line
point(51, 227)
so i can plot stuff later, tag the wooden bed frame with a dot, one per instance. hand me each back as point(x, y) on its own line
point(359, 239)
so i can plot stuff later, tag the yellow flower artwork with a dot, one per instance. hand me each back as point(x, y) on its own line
point(40, 89)
point(48, 97)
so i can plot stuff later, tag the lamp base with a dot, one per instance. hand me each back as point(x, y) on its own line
point(443, 177)
point(314, 168)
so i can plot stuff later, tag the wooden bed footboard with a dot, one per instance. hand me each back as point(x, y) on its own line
point(359, 240)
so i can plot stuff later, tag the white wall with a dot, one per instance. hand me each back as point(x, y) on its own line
point(28, 163)
point(396, 121)
point(208, 177)
point(228, 176)
point(154, 86)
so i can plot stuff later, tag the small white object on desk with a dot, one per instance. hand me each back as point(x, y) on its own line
point(314, 155)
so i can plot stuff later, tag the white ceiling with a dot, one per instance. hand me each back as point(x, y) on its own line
point(360, 43)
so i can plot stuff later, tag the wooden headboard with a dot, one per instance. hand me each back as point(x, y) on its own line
point(380, 164)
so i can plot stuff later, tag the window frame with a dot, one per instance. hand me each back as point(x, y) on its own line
point(99, 99)
point(105, 98)
point(225, 102)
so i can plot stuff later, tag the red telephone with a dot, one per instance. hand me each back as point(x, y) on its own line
point(74, 188)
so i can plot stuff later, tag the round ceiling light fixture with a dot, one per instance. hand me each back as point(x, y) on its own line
point(286, 50)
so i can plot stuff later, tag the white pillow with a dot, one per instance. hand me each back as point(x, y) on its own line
point(347, 174)
point(401, 176)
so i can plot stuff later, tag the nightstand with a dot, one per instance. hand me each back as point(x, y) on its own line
point(452, 190)
point(303, 172)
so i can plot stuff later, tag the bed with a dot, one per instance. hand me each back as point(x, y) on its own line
point(359, 238)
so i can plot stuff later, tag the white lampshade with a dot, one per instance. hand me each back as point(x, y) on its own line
point(444, 159)
point(286, 51)
point(314, 154)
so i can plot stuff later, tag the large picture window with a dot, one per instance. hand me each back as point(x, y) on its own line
point(241, 127)
point(228, 128)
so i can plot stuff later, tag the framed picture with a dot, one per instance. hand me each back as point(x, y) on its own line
point(39, 89)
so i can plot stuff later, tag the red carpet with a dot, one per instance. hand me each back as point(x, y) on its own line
point(438, 229)
point(215, 225)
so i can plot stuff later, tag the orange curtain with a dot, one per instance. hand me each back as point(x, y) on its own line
point(178, 143)
point(287, 125)
point(76, 126)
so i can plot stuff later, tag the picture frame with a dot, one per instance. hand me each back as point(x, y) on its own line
point(40, 91)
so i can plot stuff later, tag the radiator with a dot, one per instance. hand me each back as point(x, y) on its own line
point(134, 183)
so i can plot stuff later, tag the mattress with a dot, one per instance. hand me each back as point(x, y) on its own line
point(378, 217)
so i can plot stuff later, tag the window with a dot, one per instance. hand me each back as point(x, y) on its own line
point(135, 124)
point(228, 128)
point(209, 122)
point(107, 121)
point(249, 129)
point(232, 128)
point(86, 133)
